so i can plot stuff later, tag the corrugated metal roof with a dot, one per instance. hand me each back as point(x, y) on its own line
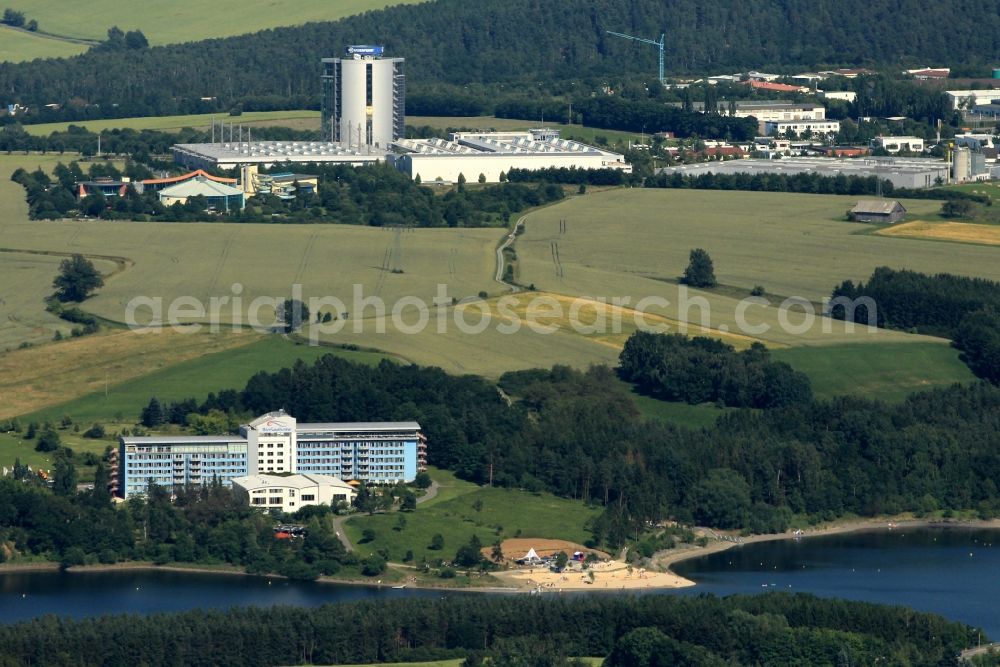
point(181, 439)
point(200, 186)
point(359, 426)
point(300, 481)
point(882, 206)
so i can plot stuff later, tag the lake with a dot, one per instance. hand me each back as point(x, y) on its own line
point(951, 571)
point(25, 595)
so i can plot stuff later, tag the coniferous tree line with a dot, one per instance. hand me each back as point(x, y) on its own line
point(644, 631)
point(804, 182)
point(514, 41)
point(203, 524)
point(967, 310)
point(615, 112)
point(705, 370)
point(375, 195)
point(578, 435)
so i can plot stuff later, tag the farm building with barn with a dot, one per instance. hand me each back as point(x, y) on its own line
point(877, 210)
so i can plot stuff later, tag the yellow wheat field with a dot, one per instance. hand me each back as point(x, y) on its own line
point(962, 232)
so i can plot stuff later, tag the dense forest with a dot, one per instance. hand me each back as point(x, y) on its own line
point(511, 631)
point(523, 42)
point(705, 370)
point(579, 435)
point(636, 116)
point(201, 525)
point(967, 310)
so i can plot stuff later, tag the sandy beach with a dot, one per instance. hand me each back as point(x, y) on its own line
point(613, 575)
point(609, 575)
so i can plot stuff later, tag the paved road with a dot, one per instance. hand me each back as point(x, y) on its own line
point(432, 491)
point(338, 521)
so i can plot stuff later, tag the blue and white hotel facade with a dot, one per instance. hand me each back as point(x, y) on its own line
point(372, 452)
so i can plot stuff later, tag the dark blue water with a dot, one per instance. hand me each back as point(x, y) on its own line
point(954, 572)
point(25, 595)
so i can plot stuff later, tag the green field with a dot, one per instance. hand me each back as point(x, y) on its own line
point(17, 46)
point(196, 121)
point(195, 378)
point(619, 243)
point(680, 414)
point(186, 20)
point(309, 120)
point(122, 403)
point(503, 513)
point(202, 261)
point(889, 372)
point(636, 242)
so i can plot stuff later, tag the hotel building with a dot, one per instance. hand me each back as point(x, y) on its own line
point(372, 452)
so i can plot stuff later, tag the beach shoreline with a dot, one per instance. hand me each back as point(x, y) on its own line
point(666, 559)
point(528, 580)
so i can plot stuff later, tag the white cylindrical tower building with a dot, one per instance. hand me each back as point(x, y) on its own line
point(363, 99)
point(961, 169)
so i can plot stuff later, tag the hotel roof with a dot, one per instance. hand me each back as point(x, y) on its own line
point(300, 481)
point(358, 426)
point(181, 439)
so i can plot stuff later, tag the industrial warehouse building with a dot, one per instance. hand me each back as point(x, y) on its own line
point(490, 154)
point(290, 493)
point(363, 101)
point(916, 173)
point(226, 155)
point(373, 452)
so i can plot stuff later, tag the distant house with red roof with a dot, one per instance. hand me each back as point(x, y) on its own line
point(777, 87)
point(157, 184)
point(929, 73)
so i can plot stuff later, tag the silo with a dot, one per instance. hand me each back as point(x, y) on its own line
point(961, 168)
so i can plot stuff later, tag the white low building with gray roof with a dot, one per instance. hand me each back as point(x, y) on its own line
point(490, 154)
point(913, 173)
point(226, 155)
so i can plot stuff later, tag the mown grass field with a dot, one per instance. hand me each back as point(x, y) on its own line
point(17, 46)
point(502, 513)
point(27, 282)
point(889, 371)
point(186, 20)
point(196, 377)
point(168, 366)
point(196, 121)
point(45, 375)
point(636, 243)
point(304, 119)
point(206, 260)
point(618, 243)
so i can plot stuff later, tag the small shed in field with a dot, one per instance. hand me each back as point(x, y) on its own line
point(878, 210)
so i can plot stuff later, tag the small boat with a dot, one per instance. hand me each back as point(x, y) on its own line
point(400, 586)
